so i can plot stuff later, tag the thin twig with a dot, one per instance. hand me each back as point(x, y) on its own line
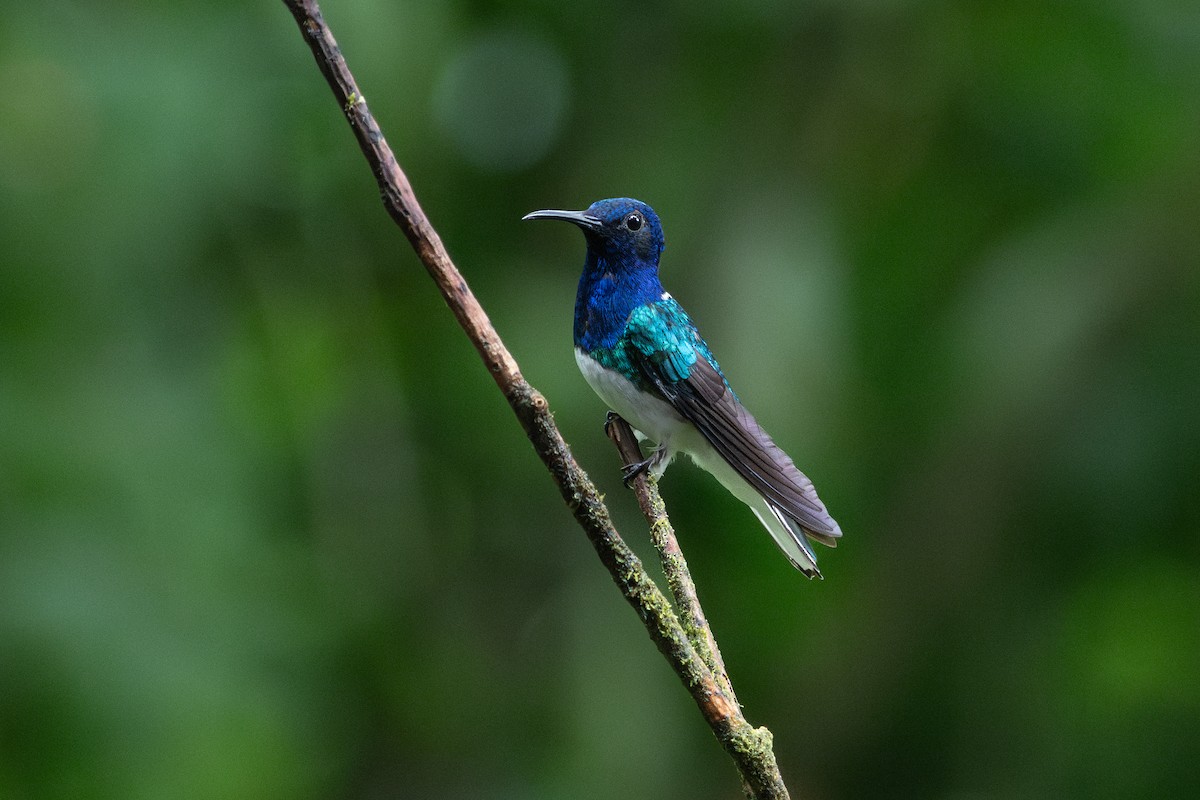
point(750, 748)
point(675, 568)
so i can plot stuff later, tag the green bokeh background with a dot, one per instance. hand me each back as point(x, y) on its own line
point(267, 529)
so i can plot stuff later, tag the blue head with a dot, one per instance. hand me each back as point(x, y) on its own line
point(620, 273)
point(620, 230)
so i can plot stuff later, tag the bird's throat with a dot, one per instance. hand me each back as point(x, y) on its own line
point(609, 289)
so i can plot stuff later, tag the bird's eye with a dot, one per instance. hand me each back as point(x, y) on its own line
point(634, 221)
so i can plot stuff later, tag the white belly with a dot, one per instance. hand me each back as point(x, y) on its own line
point(651, 416)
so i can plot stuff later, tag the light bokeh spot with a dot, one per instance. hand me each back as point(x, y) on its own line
point(501, 100)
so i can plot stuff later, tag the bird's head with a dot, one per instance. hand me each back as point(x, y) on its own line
point(619, 229)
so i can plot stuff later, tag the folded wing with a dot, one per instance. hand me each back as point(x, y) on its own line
point(675, 361)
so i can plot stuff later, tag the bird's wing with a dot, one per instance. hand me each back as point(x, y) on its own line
point(667, 349)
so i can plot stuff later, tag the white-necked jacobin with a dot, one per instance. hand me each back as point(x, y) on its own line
point(641, 352)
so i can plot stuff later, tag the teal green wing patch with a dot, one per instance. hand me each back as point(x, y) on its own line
point(662, 338)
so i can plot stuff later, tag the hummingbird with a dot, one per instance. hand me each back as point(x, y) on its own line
point(642, 354)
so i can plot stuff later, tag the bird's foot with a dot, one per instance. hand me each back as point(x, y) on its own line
point(629, 472)
point(609, 419)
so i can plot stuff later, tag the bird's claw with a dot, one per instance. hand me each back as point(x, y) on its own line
point(629, 472)
point(609, 420)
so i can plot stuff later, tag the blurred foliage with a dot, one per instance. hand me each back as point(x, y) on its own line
point(268, 530)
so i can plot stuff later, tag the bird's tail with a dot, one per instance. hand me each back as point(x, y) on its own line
point(789, 534)
point(790, 537)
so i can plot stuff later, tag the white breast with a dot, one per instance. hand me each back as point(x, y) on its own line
point(650, 415)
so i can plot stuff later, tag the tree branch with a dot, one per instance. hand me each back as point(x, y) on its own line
point(749, 748)
point(662, 533)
